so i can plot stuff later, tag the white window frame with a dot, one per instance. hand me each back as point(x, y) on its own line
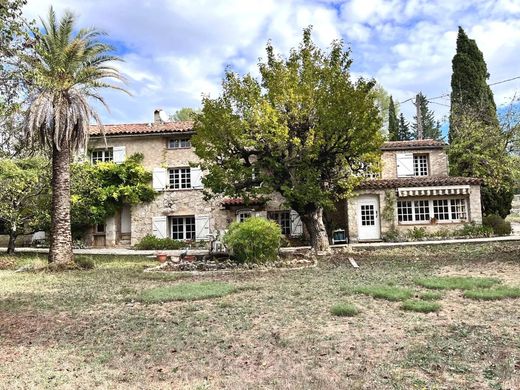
point(179, 143)
point(421, 165)
point(282, 218)
point(185, 222)
point(457, 210)
point(179, 178)
point(105, 155)
point(242, 215)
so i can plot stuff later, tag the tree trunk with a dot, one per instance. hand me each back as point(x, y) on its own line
point(313, 221)
point(12, 243)
point(60, 251)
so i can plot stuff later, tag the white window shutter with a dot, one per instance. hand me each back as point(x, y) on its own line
point(119, 154)
point(296, 224)
point(404, 164)
point(202, 227)
point(159, 227)
point(159, 179)
point(196, 178)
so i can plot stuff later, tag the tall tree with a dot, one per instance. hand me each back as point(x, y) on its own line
point(393, 123)
point(469, 88)
point(184, 114)
point(68, 69)
point(403, 132)
point(430, 126)
point(304, 130)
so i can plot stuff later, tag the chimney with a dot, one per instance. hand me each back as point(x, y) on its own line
point(159, 116)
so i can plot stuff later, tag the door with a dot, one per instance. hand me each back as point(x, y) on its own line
point(368, 218)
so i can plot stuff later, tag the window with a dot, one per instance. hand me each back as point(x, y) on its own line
point(180, 178)
point(243, 215)
point(183, 228)
point(404, 211)
point(441, 210)
point(420, 165)
point(102, 155)
point(179, 143)
point(423, 210)
point(368, 214)
point(100, 228)
point(283, 218)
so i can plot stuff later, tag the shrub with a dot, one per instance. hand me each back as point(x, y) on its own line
point(389, 293)
point(498, 224)
point(420, 306)
point(474, 230)
point(417, 233)
point(152, 242)
point(392, 235)
point(344, 310)
point(256, 240)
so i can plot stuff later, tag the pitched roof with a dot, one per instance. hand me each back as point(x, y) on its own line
point(414, 144)
point(418, 182)
point(143, 128)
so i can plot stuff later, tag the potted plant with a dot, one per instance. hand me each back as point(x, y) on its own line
point(161, 256)
point(433, 221)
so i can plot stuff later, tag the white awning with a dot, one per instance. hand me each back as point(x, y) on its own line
point(433, 191)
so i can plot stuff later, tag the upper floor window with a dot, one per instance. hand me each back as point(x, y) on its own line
point(102, 155)
point(179, 143)
point(180, 178)
point(420, 165)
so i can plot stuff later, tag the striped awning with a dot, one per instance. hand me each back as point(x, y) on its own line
point(433, 191)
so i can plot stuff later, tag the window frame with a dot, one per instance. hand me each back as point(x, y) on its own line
point(176, 180)
point(242, 215)
point(419, 169)
point(278, 217)
point(456, 209)
point(179, 141)
point(107, 155)
point(183, 234)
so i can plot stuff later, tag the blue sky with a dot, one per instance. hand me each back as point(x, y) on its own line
point(176, 50)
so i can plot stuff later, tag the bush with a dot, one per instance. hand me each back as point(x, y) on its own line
point(256, 240)
point(474, 230)
point(498, 224)
point(417, 234)
point(152, 242)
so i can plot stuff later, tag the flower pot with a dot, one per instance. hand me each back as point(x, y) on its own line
point(162, 257)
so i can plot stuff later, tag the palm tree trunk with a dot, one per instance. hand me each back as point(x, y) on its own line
point(60, 252)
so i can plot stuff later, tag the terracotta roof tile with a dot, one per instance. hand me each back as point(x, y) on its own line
point(414, 144)
point(418, 182)
point(143, 128)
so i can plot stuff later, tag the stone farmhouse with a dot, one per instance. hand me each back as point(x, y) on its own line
point(413, 190)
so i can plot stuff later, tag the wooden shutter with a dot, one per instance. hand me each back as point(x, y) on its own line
point(196, 178)
point(296, 224)
point(159, 179)
point(202, 227)
point(404, 164)
point(159, 227)
point(119, 154)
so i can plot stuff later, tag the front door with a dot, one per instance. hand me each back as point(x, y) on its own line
point(368, 218)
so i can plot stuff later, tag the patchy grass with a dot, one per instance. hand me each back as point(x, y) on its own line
point(81, 329)
point(430, 295)
point(390, 293)
point(456, 282)
point(344, 310)
point(493, 294)
point(420, 306)
point(186, 292)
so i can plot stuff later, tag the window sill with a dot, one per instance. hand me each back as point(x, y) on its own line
point(450, 222)
point(185, 148)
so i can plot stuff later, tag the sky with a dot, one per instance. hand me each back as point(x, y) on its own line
point(176, 51)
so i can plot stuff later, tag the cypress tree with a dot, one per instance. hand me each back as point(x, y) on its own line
point(431, 127)
point(403, 133)
point(469, 89)
point(393, 123)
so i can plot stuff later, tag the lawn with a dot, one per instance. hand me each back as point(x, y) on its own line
point(330, 327)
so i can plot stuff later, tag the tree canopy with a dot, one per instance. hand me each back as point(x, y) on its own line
point(430, 126)
point(184, 114)
point(305, 130)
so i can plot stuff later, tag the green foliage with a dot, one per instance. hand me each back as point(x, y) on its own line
point(417, 233)
point(186, 292)
point(431, 127)
point(256, 240)
point(474, 230)
point(390, 293)
point(393, 123)
point(493, 294)
point(344, 310)
point(185, 114)
point(456, 282)
point(152, 242)
point(420, 306)
point(404, 133)
point(498, 224)
point(430, 296)
point(84, 262)
point(303, 130)
point(99, 190)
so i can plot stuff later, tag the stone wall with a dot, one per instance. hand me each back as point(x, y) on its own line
point(438, 161)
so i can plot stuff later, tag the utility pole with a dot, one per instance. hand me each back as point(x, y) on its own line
point(417, 104)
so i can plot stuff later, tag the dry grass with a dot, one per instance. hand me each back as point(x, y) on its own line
point(77, 329)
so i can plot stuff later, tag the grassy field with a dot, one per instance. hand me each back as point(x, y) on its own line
point(330, 327)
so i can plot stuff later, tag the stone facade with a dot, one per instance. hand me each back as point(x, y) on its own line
point(437, 162)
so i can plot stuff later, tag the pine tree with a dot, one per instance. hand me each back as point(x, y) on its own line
point(393, 123)
point(469, 89)
point(431, 127)
point(403, 132)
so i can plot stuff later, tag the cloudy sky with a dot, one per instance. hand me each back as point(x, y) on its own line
point(177, 50)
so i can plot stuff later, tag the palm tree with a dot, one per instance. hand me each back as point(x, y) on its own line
point(67, 72)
